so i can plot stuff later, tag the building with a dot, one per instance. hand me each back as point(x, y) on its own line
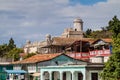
point(33, 64)
point(58, 67)
point(83, 58)
point(5, 63)
point(72, 72)
point(68, 36)
point(76, 31)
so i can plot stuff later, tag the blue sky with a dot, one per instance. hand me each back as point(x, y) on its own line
point(86, 2)
point(33, 19)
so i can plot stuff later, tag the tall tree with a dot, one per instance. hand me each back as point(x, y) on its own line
point(112, 67)
point(11, 44)
point(115, 28)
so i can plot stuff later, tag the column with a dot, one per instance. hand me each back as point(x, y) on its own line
point(61, 75)
point(72, 75)
point(84, 74)
point(50, 75)
point(42, 77)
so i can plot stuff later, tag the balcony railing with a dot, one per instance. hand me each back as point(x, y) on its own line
point(89, 54)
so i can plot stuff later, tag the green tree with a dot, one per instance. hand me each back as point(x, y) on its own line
point(88, 33)
point(3, 50)
point(111, 70)
point(11, 44)
point(14, 53)
point(115, 28)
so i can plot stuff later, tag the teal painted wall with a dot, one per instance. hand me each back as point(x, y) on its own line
point(63, 58)
point(71, 69)
point(3, 75)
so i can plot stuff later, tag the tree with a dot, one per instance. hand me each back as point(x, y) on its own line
point(111, 70)
point(14, 53)
point(3, 50)
point(11, 44)
point(88, 32)
point(115, 28)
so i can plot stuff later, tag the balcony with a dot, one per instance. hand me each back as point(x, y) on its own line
point(87, 55)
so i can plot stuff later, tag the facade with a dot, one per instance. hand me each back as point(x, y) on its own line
point(3, 67)
point(5, 63)
point(33, 64)
point(72, 72)
point(59, 67)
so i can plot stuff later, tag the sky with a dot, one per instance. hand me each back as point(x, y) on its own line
point(32, 19)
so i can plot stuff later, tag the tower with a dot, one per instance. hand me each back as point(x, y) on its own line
point(76, 31)
point(78, 24)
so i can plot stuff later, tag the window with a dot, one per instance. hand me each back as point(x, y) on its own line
point(80, 76)
point(94, 76)
point(64, 76)
point(75, 29)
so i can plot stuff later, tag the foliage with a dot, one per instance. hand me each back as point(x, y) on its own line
point(11, 44)
point(3, 50)
point(10, 50)
point(111, 70)
point(103, 33)
point(115, 26)
point(88, 32)
point(14, 53)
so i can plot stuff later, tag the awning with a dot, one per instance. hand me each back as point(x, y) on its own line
point(15, 71)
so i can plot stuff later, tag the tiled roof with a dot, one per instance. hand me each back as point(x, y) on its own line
point(108, 40)
point(41, 58)
point(67, 41)
point(38, 58)
point(60, 41)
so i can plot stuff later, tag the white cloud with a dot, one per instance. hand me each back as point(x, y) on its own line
point(39, 17)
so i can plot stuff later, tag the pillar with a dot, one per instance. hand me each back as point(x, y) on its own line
point(61, 75)
point(42, 77)
point(50, 75)
point(72, 75)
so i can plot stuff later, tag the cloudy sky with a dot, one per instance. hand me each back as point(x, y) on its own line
point(33, 19)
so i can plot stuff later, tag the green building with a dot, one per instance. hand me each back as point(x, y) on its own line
point(4, 66)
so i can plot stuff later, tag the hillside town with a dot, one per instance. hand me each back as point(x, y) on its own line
point(69, 56)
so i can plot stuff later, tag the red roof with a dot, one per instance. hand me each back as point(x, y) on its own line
point(41, 58)
point(38, 58)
